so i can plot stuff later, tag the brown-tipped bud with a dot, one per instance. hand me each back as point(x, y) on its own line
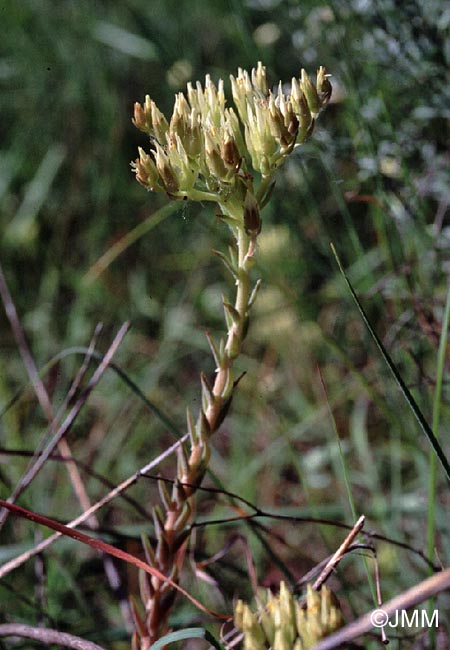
point(214, 160)
point(230, 154)
point(140, 119)
point(293, 124)
point(166, 171)
point(310, 93)
point(177, 125)
point(252, 219)
point(146, 172)
point(323, 86)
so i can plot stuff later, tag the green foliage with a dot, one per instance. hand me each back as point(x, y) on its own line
point(374, 181)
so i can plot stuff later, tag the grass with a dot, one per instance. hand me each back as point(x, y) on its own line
point(374, 182)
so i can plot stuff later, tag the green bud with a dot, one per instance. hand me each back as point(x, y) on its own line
point(310, 93)
point(166, 171)
point(165, 496)
point(193, 140)
point(321, 617)
point(208, 398)
point(214, 160)
point(182, 464)
point(183, 517)
point(148, 550)
point(203, 430)
point(191, 426)
point(259, 79)
point(158, 120)
point(306, 122)
point(254, 638)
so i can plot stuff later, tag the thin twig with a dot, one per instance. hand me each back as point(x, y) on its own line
point(336, 557)
point(47, 637)
point(259, 513)
point(307, 577)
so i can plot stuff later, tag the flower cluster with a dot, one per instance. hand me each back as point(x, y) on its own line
point(201, 152)
point(281, 623)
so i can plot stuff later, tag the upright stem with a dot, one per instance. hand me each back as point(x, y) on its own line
point(173, 520)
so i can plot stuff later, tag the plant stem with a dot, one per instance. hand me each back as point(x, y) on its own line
point(172, 522)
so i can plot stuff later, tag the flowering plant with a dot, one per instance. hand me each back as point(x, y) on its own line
point(208, 152)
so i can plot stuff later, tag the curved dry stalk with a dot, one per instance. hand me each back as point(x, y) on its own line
point(47, 636)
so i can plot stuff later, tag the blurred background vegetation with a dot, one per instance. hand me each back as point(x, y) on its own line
point(373, 179)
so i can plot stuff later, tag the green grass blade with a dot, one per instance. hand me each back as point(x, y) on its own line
point(188, 633)
point(127, 240)
point(404, 389)
point(436, 418)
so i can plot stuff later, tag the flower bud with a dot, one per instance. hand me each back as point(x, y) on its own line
point(140, 119)
point(306, 122)
point(310, 93)
point(193, 138)
point(166, 171)
point(159, 122)
point(252, 219)
point(230, 153)
point(259, 79)
point(323, 86)
point(214, 160)
point(146, 172)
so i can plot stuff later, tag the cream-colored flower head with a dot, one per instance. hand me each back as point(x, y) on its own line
point(201, 152)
